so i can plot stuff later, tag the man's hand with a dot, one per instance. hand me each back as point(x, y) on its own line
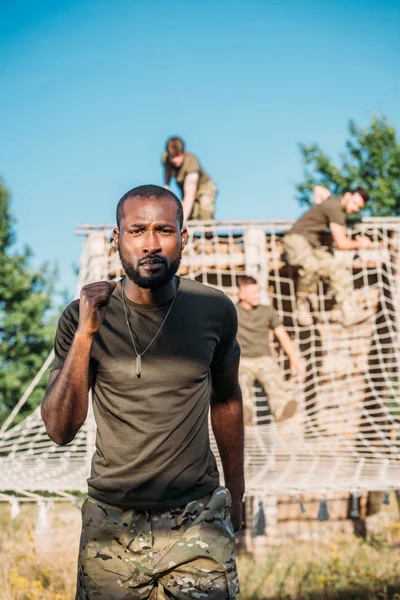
point(364, 242)
point(237, 513)
point(297, 366)
point(93, 303)
point(321, 194)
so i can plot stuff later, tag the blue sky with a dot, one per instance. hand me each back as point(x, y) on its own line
point(91, 90)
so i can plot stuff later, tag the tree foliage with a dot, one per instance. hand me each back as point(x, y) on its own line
point(26, 331)
point(371, 160)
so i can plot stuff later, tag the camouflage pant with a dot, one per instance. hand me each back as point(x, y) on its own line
point(266, 370)
point(315, 264)
point(204, 205)
point(182, 553)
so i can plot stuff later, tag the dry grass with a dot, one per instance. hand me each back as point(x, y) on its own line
point(344, 568)
point(32, 569)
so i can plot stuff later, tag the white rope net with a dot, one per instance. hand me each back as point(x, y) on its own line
point(346, 434)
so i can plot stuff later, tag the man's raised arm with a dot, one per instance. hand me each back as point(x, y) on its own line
point(65, 405)
point(296, 363)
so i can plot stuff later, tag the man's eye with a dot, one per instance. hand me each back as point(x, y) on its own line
point(168, 231)
point(135, 231)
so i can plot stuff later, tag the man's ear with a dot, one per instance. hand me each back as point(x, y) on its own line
point(184, 235)
point(116, 237)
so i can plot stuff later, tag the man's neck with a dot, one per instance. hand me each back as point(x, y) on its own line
point(140, 295)
point(246, 305)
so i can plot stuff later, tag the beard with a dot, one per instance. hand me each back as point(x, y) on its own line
point(152, 281)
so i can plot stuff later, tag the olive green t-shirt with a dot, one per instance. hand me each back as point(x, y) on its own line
point(152, 441)
point(317, 219)
point(253, 332)
point(191, 164)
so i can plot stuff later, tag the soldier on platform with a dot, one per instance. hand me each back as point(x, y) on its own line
point(303, 249)
point(198, 190)
point(257, 362)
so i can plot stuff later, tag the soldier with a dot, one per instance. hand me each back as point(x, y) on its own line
point(157, 351)
point(198, 190)
point(303, 249)
point(257, 362)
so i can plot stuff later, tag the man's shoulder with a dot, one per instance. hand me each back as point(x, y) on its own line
point(190, 156)
point(69, 318)
point(333, 207)
point(268, 309)
point(331, 203)
point(71, 311)
point(268, 313)
point(191, 162)
point(326, 207)
point(204, 292)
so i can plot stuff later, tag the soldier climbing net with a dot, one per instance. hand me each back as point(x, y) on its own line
point(346, 434)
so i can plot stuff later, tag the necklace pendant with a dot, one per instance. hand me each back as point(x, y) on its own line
point(138, 366)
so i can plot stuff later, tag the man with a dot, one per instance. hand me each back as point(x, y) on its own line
point(155, 350)
point(198, 191)
point(303, 249)
point(257, 362)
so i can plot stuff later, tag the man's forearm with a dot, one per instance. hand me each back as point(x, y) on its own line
point(348, 244)
point(187, 203)
point(65, 404)
point(286, 342)
point(228, 428)
point(189, 193)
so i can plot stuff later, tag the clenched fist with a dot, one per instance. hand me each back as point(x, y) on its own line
point(93, 303)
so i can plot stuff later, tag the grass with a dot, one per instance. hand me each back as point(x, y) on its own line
point(44, 568)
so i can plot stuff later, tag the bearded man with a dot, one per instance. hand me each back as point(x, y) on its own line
point(157, 351)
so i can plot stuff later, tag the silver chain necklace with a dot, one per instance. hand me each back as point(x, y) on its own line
point(139, 355)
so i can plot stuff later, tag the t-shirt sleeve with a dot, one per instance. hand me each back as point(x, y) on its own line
point(228, 349)
point(274, 319)
point(192, 165)
point(67, 325)
point(333, 211)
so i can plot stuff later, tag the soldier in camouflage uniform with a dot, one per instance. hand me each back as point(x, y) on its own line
point(158, 352)
point(198, 189)
point(303, 249)
point(257, 362)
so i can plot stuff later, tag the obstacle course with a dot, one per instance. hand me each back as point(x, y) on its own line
point(345, 438)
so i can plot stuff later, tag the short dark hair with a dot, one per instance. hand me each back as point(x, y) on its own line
point(150, 191)
point(363, 193)
point(175, 146)
point(243, 280)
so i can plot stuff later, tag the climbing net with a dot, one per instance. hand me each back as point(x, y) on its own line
point(346, 433)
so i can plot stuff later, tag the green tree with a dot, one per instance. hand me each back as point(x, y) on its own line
point(371, 160)
point(26, 329)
